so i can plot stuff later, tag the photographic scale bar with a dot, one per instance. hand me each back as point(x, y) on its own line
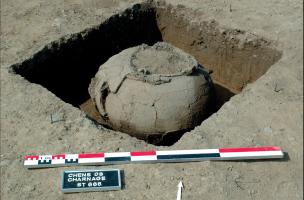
point(43, 161)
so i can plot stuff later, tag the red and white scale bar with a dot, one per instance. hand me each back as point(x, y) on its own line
point(251, 153)
point(42, 161)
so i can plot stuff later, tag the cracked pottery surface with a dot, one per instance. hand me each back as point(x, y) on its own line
point(148, 90)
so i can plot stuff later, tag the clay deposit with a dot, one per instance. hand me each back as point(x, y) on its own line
point(151, 90)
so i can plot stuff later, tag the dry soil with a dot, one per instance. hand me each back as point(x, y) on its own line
point(266, 112)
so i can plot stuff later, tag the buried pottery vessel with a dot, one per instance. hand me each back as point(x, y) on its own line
point(151, 90)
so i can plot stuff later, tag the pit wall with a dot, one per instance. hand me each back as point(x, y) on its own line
point(235, 56)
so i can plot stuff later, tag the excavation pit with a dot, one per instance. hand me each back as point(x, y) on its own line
point(66, 67)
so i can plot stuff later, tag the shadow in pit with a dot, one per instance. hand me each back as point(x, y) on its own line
point(221, 96)
point(65, 67)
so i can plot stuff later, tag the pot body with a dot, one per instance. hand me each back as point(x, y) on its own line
point(134, 100)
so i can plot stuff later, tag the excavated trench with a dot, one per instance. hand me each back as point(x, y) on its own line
point(65, 67)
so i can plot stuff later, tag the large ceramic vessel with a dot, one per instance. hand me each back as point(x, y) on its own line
point(146, 90)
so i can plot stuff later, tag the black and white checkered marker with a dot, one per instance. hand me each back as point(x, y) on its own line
point(153, 156)
point(91, 180)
